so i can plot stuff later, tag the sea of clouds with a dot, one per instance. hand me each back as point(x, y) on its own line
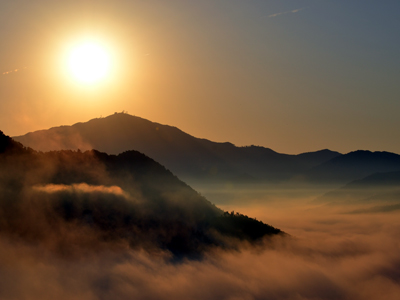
point(330, 254)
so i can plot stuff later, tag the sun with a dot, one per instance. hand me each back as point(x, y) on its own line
point(89, 62)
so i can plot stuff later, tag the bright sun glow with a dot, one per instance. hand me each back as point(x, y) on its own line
point(89, 62)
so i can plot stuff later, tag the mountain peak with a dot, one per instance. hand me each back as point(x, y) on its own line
point(192, 159)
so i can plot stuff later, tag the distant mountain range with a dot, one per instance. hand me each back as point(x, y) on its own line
point(191, 158)
point(378, 187)
point(196, 160)
point(352, 166)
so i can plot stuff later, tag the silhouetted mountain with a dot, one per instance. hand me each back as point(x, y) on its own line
point(353, 166)
point(380, 179)
point(8, 145)
point(312, 159)
point(92, 200)
point(378, 187)
point(192, 159)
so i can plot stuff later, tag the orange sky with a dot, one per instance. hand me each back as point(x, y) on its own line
point(294, 76)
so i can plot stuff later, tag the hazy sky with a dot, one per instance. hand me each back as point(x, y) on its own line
point(294, 76)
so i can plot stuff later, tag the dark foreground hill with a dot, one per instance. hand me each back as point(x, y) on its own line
point(192, 159)
point(68, 200)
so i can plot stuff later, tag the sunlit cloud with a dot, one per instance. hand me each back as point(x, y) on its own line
point(320, 264)
point(81, 187)
point(285, 12)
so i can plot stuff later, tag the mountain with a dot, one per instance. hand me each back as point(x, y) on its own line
point(378, 187)
point(352, 166)
point(192, 159)
point(66, 200)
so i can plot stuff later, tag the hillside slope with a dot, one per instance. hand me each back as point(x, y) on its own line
point(92, 199)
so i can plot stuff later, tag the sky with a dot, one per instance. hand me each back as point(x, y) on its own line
point(294, 76)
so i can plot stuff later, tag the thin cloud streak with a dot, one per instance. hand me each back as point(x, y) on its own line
point(285, 12)
point(81, 187)
point(13, 71)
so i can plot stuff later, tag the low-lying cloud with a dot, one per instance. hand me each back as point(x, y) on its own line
point(329, 256)
point(81, 188)
point(339, 268)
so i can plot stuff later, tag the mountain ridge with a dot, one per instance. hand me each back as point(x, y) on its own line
point(380, 186)
point(189, 157)
point(354, 165)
